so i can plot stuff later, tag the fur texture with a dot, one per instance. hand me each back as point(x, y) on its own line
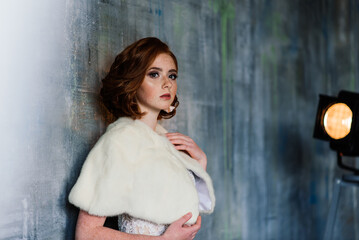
point(137, 171)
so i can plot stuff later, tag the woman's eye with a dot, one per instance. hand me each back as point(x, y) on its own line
point(173, 76)
point(153, 74)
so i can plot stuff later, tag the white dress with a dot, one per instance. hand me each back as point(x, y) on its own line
point(129, 224)
point(133, 225)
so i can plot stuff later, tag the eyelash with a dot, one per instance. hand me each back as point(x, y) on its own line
point(173, 76)
point(155, 75)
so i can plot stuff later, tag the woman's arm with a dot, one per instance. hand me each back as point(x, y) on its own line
point(91, 227)
point(185, 143)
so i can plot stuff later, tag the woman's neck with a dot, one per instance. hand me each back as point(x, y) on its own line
point(150, 119)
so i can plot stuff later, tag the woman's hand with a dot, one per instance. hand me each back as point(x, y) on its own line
point(178, 231)
point(185, 143)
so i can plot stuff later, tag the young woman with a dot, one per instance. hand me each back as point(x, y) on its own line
point(155, 181)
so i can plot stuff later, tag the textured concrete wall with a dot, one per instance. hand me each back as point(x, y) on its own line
point(249, 78)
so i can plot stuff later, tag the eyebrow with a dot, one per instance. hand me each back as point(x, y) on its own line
point(160, 69)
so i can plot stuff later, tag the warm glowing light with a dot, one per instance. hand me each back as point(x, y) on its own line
point(338, 120)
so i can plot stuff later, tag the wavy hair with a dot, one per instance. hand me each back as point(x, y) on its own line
point(126, 75)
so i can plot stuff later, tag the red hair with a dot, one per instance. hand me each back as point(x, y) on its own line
point(126, 76)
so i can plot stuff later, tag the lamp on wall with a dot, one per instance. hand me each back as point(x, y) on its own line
point(337, 121)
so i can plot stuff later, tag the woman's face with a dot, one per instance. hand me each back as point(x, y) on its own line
point(159, 86)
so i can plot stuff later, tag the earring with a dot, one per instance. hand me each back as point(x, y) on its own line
point(170, 109)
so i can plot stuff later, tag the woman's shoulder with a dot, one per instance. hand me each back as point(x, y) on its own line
point(128, 131)
point(122, 126)
point(121, 131)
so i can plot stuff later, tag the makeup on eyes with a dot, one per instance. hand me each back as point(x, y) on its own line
point(154, 72)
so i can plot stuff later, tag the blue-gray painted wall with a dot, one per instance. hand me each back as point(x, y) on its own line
point(250, 72)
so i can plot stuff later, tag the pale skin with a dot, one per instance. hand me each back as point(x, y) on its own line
point(156, 93)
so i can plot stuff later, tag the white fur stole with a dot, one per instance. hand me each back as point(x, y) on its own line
point(135, 170)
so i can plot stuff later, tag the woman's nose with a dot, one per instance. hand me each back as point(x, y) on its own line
point(167, 82)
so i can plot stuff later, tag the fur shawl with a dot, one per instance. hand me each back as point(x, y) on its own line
point(135, 170)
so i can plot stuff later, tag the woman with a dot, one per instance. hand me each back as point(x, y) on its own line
point(154, 180)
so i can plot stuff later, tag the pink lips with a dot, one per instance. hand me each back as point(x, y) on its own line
point(166, 96)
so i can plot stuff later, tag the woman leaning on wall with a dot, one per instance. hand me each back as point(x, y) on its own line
point(155, 181)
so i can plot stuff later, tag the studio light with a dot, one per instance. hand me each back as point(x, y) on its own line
point(337, 121)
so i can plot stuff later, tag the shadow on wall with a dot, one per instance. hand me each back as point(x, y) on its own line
point(80, 151)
